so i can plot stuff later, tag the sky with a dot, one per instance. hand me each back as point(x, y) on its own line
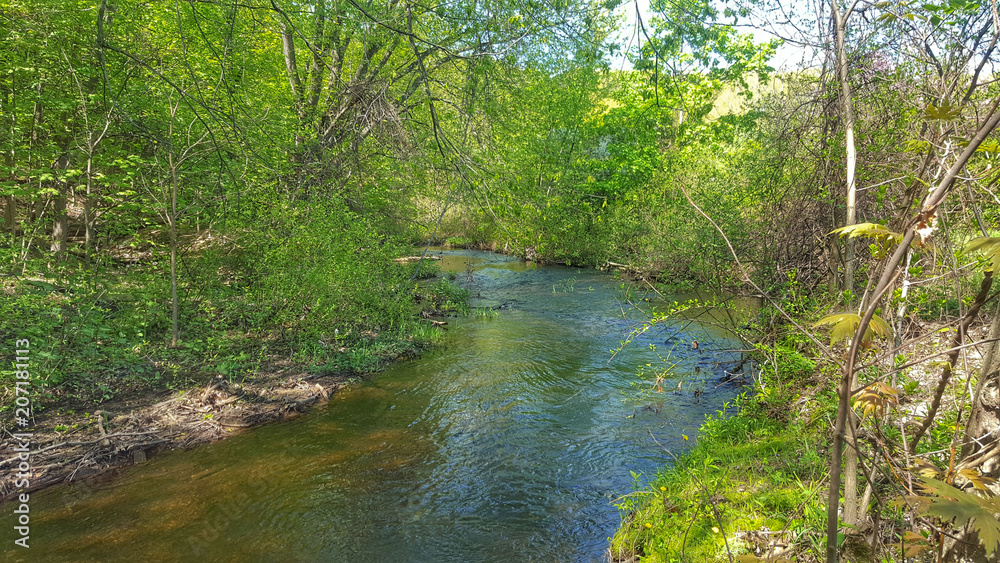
point(787, 58)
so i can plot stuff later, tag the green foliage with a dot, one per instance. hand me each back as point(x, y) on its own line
point(458, 242)
point(935, 303)
point(845, 324)
point(962, 509)
point(883, 238)
point(323, 268)
point(305, 152)
point(794, 366)
point(294, 190)
point(869, 230)
point(485, 313)
point(875, 399)
point(747, 471)
point(448, 297)
point(943, 112)
point(987, 246)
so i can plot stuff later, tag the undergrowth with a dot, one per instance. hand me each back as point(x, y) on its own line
point(97, 330)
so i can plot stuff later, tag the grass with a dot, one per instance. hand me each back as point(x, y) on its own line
point(99, 332)
point(371, 355)
point(458, 242)
point(486, 313)
point(753, 482)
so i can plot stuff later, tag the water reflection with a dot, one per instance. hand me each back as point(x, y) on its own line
point(508, 444)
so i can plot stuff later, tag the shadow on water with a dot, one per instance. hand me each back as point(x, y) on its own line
point(508, 444)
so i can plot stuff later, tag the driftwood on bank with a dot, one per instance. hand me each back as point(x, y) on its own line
point(109, 442)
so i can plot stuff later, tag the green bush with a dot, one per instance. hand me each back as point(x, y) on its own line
point(321, 268)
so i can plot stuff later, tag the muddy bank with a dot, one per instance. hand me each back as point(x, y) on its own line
point(69, 444)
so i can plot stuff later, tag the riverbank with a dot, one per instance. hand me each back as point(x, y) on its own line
point(74, 441)
point(755, 484)
point(753, 477)
point(92, 425)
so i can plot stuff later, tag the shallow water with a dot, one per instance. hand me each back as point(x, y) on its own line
point(509, 443)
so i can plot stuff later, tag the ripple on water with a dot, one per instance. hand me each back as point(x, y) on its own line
point(507, 445)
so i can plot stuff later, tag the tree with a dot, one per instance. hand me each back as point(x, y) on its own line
point(840, 21)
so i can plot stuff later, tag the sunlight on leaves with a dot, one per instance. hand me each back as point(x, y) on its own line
point(923, 468)
point(980, 482)
point(916, 145)
point(990, 147)
point(869, 230)
point(988, 247)
point(845, 324)
point(883, 237)
point(944, 112)
point(875, 399)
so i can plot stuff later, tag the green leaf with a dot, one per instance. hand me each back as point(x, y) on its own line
point(915, 145)
point(989, 147)
point(988, 247)
point(869, 230)
point(944, 112)
point(884, 238)
point(952, 505)
point(845, 324)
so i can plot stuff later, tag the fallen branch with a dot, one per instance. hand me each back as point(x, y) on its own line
point(89, 443)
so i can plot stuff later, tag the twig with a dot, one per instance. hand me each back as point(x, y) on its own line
point(91, 442)
point(746, 277)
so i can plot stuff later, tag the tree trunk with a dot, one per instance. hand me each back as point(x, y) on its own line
point(88, 213)
point(984, 416)
point(173, 163)
point(89, 200)
point(10, 202)
point(840, 30)
point(10, 214)
point(172, 218)
point(847, 107)
point(60, 221)
point(59, 225)
point(851, 511)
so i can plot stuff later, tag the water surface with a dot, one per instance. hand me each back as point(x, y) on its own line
point(509, 443)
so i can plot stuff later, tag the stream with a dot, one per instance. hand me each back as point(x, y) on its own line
point(509, 442)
